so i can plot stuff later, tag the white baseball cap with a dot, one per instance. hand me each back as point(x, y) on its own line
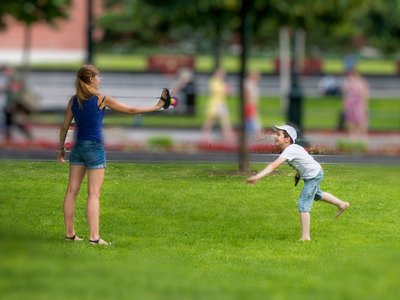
point(289, 129)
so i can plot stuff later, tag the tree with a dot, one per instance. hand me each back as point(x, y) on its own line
point(33, 11)
point(211, 21)
point(149, 22)
point(380, 21)
point(331, 25)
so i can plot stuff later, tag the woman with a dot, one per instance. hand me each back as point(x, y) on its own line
point(87, 108)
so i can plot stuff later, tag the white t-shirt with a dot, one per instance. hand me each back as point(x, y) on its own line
point(299, 159)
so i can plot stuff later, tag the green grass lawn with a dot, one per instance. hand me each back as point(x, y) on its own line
point(197, 231)
point(204, 63)
point(318, 113)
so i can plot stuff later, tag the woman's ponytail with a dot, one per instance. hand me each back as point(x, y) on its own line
point(84, 88)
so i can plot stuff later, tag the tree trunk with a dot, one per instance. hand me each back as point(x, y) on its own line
point(243, 147)
point(300, 49)
point(89, 37)
point(217, 46)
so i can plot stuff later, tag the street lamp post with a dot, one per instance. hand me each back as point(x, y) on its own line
point(243, 151)
point(89, 35)
point(294, 113)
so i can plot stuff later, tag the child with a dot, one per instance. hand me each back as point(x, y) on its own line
point(308, 169)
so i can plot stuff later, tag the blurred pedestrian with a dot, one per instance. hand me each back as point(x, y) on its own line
point(252, 97)
point(14, 109)
point(355, 104)
point(87, 108)
point(218, 107)
point(329, 85)
point(184, 88)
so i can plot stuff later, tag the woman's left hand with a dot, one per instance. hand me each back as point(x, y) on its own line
point(61, 155)
point(160, 104)
point(164, 95)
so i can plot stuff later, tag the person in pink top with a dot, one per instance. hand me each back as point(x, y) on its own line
point(355, 101)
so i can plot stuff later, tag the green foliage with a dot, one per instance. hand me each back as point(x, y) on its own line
point(33, 11)
point(159, 143)
point(348, 146)
point(141, 22)
point(380, 21)
point(197, 231)
point(193, 26)
point(216, 23)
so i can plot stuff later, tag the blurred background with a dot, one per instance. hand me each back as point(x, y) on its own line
point(330, 68)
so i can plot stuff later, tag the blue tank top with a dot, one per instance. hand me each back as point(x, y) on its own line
point(88, 120)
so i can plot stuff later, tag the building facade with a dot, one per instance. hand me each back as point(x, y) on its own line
point(64, 41)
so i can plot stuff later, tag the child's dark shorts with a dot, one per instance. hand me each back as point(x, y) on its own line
point(311, 191)
point(88, 153)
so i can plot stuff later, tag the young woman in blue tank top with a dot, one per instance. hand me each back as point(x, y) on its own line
point(87, 108)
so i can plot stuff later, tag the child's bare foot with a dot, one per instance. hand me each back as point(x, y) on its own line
point(305, 240)
point(341, 209)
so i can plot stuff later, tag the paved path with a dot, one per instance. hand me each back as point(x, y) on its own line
point(134, 144)
point(140, 135)
point(115, 135)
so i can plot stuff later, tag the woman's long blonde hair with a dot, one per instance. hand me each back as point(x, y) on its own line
point(84, 87)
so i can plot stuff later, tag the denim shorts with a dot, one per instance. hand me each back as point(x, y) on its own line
point(88, 153)
point(311, 191)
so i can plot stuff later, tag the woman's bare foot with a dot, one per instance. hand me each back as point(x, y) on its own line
point(305, 240)
point(341, 209)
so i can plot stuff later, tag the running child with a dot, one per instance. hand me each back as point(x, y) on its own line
point(307, 169)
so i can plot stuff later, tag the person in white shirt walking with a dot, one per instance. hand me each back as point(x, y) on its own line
point(307, 169)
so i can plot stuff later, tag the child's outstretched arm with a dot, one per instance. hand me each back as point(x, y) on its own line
point(267, 170)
